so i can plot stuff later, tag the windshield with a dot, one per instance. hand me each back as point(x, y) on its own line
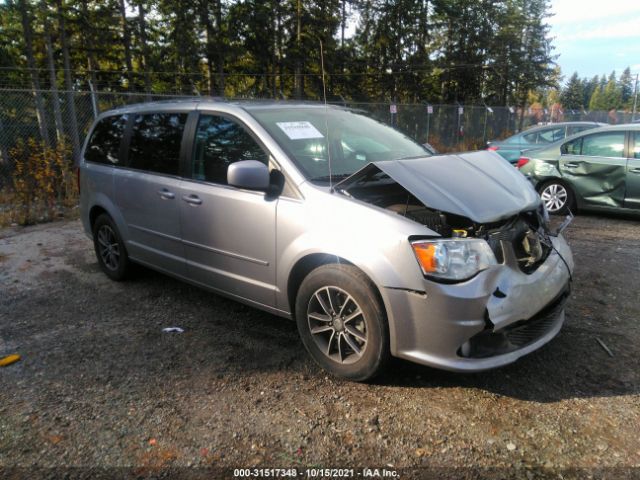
point(354, 140)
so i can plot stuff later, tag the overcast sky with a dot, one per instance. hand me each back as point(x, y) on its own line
point(594, 37)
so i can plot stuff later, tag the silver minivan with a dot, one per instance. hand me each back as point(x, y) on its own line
point(325, 216)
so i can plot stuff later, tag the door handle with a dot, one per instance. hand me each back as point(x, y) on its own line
point(634, 170)
point(166, 194)
point(192, 199)
point(571, 165)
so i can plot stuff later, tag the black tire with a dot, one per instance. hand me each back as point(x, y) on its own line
point(110, 249)
point(367, 331)
point(557, 197)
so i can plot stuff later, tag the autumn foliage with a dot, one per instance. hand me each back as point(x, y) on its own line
point(43, 183)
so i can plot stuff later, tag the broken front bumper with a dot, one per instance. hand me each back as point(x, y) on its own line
point(488, 321)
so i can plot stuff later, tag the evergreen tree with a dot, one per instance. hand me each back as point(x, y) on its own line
point(626, 83)
point(471, 51)
point(612, 94)
point(596, 102)
point(572, 95)
point(589, 87)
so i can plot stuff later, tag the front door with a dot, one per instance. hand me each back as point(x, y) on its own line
point(229, 234)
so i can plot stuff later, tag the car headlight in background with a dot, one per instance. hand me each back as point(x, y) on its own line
point(456, 259)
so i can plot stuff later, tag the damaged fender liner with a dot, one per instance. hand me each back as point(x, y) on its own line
point(489, 343)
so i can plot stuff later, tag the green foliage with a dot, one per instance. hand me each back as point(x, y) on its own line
point(590, 86)
point(597, 100)
point(626, 87)
point(600, 93)
point(572, 95)
point(612, 94)
point(469, 51)
point(43, 185)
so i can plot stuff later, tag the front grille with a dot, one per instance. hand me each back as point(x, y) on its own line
point(530, 331)
point(489, 343)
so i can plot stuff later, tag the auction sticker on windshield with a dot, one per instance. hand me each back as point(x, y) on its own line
point(299, 130)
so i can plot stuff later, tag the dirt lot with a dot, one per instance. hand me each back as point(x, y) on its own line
point(100, 385)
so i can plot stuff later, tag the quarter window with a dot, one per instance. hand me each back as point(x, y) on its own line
point(573, 147)
point(155, 142)
point(104, 145)
point(220, 142)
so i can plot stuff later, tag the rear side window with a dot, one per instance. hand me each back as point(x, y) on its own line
point(514, 139)
point(578, 128)
point(551, 135)
point(220, 142)
point(104, 144)
point(545, 136)
point(636, 145)
point(155, 142)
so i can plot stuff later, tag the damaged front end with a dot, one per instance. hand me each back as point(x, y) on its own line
point(512, 300)
point(518, 218)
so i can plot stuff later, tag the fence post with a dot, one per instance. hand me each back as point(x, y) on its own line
point(484, 128)
point(393, 110)
point(4, 151)
point(94, 102)
point(635, 100)
point(459, 129)
point(429, 112)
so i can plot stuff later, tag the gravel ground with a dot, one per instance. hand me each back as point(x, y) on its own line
point(100, 386)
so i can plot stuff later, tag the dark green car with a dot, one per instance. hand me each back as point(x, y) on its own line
point(596, 170)
point(537, 137)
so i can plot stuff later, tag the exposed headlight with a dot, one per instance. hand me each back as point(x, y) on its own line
point(455, 260)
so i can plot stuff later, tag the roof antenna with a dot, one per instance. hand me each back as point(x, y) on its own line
point(326, 114)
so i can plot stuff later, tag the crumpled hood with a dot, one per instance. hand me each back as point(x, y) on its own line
point(481, 186)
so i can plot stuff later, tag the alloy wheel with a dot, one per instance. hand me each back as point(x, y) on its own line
point(108, 247)
point(337, 324)
point(555, 197)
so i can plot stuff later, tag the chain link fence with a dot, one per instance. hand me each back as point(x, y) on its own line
point(41, 135)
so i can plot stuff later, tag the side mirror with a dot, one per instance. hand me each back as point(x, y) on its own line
point(249, 174)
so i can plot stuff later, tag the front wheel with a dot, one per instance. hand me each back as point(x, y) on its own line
point(342, 323)
point(557, 197)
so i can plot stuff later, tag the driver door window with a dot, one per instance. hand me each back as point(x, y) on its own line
point(220, 142)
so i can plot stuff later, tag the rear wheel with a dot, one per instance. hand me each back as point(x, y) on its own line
point(110, 249)
point(557, 197)
point(342, 322)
